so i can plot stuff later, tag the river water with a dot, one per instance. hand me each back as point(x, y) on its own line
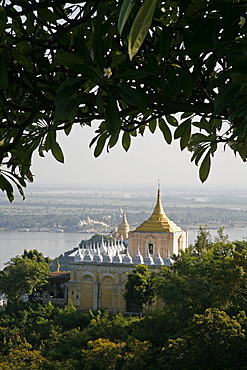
point(50, 244)
point(53, 244)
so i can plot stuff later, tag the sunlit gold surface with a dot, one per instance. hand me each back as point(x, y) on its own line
point(158, 221)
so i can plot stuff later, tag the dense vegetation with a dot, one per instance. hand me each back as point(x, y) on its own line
point(202, 324)
point(126, 67)
point(24, 275)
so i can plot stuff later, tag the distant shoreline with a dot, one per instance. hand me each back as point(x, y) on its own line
point(186, 228)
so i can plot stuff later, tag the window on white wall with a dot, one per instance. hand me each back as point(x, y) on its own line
point(151, 248)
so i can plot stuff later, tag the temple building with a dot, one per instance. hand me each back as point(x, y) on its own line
point(98, 272)
point(157, 235)
point(123, 229)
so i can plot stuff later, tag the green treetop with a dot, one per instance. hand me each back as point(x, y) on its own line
point(140, 287)
point(24, 274)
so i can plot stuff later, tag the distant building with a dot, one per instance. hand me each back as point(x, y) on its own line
point(99, 272)
point(57, 289)
point(123, 229)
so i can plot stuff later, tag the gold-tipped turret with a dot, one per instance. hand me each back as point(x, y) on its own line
point(123, 229)
point(158, 222)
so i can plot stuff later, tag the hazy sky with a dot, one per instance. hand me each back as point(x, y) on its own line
point(149, 158)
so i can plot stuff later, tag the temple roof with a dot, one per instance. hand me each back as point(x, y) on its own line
point(158, 222)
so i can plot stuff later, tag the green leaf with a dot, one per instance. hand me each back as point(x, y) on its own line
point(68, 99)
point(68, 129)
point(174, 81)
point(198, 138)
point(215, 122)
point(112, 118)
point(82, 49)
point(30, 23)
point(67, 59)
point(47, 15)
point(73, 108)
point(185, 138)
point(4, 80)
point(165, 130)
point(186, 82)
point(100, 144)
point(205, 167)
point(99, 102)
point(172, 120)
point(165, 41)
point(75, 64)
point(197, 155)
point(213, 147)
point(205, 124)
point(3, 19)
point(50, 139)
point(152, 125)
point(57, 152)
point(98, 47)
point(17, 180)
point(159, 83)
point(93, 140)
point(239, 78)
point(186, 114)
point(129, 95)
point(200, 153)
point(21, 191)
point(113, 140)
point(126, 141)
point(51, 144)
point(133, 74)
point(3, 15)
point(6, 186)
point(124, 13)
point(183, 4)
point(225, 97)
point(183, 131)
point(133, 132)
point(182, 128)
point(196, 124)
point(140, 26)
point(142, 129)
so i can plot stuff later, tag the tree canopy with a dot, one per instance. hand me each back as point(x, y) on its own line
point(24, 274)
point(140, 287)
point(124, 66)
point(202, 324)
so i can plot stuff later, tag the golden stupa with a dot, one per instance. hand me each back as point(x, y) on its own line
point(158, 222)
point(123, 229)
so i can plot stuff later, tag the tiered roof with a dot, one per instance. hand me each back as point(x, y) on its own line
point(158, 222)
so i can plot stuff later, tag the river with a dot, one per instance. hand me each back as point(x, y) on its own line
point(50, 244)
point(53, 244)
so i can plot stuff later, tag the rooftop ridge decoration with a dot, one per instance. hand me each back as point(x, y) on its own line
point(124, 259)
point(158, 221)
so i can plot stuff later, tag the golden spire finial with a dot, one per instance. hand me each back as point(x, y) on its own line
point(158, 221)
point(158, 198)
point(158, 209)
